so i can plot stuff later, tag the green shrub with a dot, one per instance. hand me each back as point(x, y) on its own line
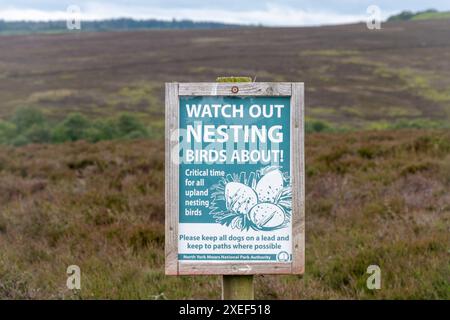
point(136, 135)
point(93, 135)
point(7, 131)
point(127, 124)
point(19, 140)
point(316, 126)
point(106, 129)
point(28, 125)
point(38, 134)
point(25, 117)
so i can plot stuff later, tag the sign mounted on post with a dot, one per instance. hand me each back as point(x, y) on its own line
point(234, 178)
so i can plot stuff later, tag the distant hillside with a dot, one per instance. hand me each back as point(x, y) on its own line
point(354, 79)
point(430, 14)
point(13, 27)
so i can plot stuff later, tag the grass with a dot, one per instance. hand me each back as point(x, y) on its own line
point(432, 15)
point(376, 197)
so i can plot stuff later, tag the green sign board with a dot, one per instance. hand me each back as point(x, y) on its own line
point(234, 163)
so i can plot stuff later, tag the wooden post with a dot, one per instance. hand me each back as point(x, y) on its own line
point(239, 287)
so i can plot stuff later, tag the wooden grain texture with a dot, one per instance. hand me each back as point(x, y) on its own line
point(237, 287)
point(298, 178)
point(172, 177)
point(230, 268)
point(244, 89)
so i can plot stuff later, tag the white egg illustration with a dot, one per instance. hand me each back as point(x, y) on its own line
point(269, 186)
point(267, 215)
point(239, 197)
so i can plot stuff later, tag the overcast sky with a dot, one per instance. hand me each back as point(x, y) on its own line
point(273, 13)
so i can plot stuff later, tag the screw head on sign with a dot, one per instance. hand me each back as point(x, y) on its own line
point(234, 89)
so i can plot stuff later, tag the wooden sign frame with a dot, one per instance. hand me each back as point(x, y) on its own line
point(293, 90)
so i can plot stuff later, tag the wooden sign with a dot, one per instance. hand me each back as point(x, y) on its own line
point(234, 178)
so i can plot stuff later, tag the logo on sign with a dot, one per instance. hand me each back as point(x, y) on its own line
point(283, 256)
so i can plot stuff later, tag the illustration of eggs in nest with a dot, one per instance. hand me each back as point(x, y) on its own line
point(260, 201)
